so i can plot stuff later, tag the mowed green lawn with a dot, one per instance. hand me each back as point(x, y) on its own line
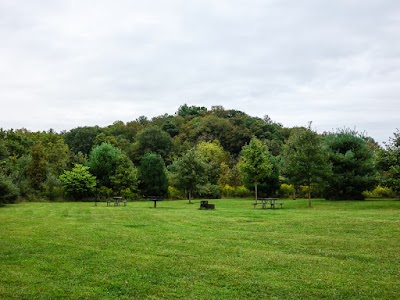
point(335, 250)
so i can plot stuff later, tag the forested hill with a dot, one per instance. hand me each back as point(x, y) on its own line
point(195, 152)
point(187, 127)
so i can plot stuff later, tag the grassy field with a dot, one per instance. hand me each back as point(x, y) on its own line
point(335, 250)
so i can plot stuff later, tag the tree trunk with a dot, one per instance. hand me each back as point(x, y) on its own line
point(255, 186)
point(309, 193)
point(190, 196)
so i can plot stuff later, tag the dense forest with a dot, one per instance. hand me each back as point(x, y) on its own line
point(196, 153)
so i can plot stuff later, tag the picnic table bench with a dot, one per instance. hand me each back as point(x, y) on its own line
point(265, 201)
point(155, 199)
point(116, 201)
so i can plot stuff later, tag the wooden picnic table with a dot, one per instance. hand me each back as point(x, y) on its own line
point(117, 200)
point(155, 199)
point(265, 201)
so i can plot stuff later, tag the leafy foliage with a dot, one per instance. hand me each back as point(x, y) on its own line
point(305, 161)
point(270, 184)
point(125, 178)
point(191, 111)
point(256, 164)
point(215, 156)
point(353, 169)
point(153, 175)
point(189, 172)
point(286, 190)
point(81, 139)
point(37, 167)
point(154, 139)
point(33, 161)
point(389, 163)
point(103, 163)
point(52, 187)
point(380, 192)
point(78, 183)
point(8, 190)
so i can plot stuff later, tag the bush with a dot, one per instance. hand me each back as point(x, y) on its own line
point(128, 194)
point(25, 189)
point(209, 191)
point(8, 190)
point(175, 193)
point(286, 190)
point(242, 192)
point(52, 188)
point(105, 192)
point(303, 191)
point(380, 192)
point(78, 183)
point(227, 191)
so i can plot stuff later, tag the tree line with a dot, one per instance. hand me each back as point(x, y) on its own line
point(196, 153)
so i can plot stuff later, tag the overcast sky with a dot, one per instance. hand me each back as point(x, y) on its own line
point(71, 63)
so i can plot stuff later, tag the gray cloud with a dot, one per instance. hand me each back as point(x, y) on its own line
point(65, 64)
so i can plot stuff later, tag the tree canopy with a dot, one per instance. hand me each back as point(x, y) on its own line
point(153, 175)
point(154, 139)
point(256, 163)
point(353, 169)
point(229, 152)
point(189, 172)
point(304, 159)
point(103, 163)
point(389, 163)
point(78, 183)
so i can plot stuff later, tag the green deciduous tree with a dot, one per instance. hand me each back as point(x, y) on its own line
point(81, 139)
point(153, 176)
point(154, 139)
point(18, 142)
point(230, 176)
point(255, 163)
point(353, 167)
point(270, 184)
point(189, 172)
point(170, 125)
point(125, 178)
point(215, 156)
point(103, 163)
point(57, 153)
point(305, 161)
point(78, 183)
point(37, 167)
